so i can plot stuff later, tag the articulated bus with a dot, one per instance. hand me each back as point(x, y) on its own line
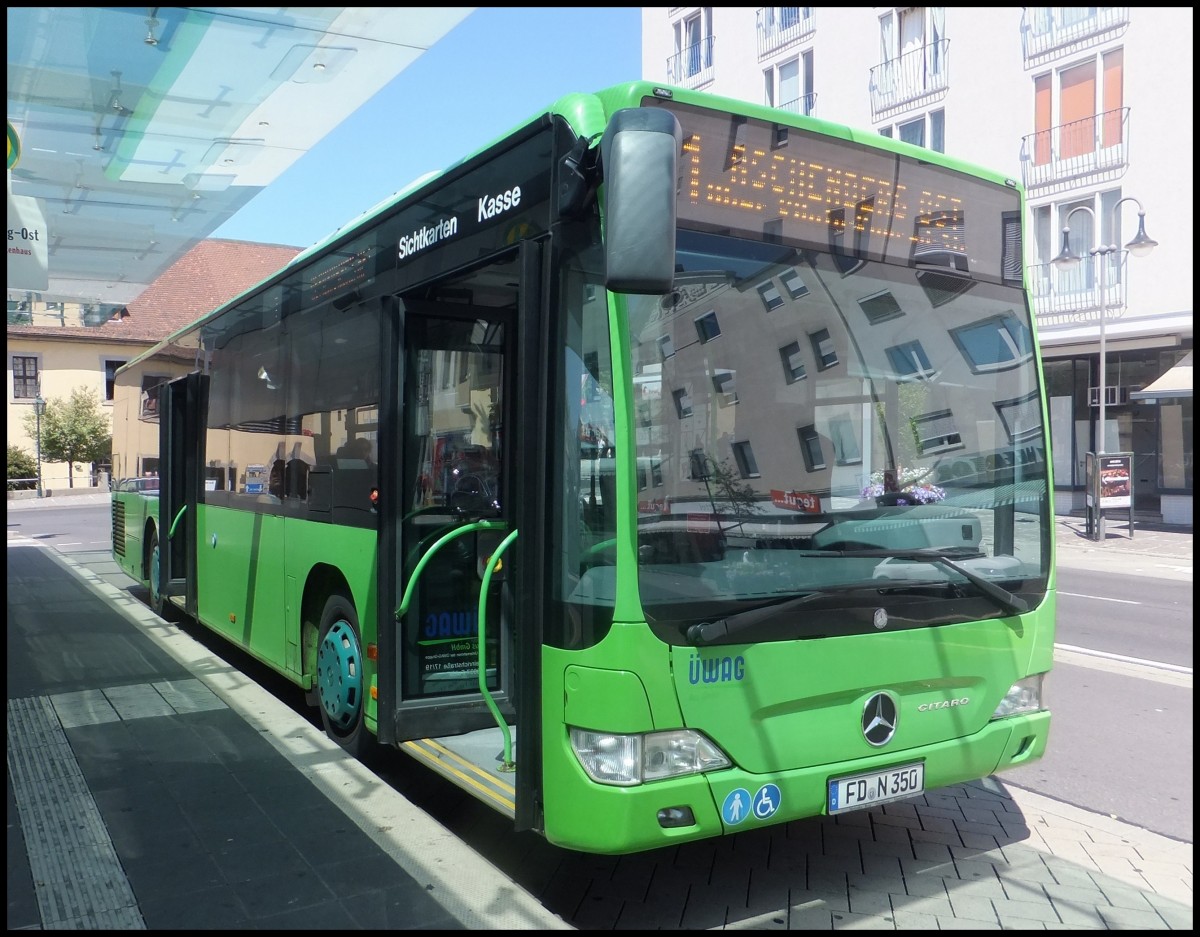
point(669, 467)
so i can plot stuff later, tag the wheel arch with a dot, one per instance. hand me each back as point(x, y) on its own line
point(323, 581)
point(148, 536)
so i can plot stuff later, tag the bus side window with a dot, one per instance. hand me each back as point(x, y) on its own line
point(276, 478)
point(296, 479)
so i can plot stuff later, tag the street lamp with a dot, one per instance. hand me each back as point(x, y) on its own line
point(39, 407)
point(1140, 246)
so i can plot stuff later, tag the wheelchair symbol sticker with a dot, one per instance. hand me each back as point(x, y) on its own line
point(736, 807)
point(766, 801)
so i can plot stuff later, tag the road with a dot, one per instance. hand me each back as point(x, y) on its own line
point(1121, 741)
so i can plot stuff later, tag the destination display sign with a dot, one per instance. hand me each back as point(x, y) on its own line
point(760, 178)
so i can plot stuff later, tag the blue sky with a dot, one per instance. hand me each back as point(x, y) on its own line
point(490, 73)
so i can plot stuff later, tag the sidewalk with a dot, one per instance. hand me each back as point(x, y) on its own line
point(1156, 550)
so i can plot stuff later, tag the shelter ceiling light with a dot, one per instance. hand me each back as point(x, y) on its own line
point(151, 24)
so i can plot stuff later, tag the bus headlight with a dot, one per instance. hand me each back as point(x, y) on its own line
point(1024, 696)
point(626, 760)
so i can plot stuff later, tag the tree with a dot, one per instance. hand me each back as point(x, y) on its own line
point(724, 483)
point(74, 430)
point(22, 469)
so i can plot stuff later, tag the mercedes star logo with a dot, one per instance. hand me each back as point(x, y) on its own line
point(879, 719)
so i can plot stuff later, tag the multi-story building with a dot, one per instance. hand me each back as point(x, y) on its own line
point(52, 350)
point(1087, 107)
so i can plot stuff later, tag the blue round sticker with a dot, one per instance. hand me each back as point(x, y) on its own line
point(767, 801)
point(736, 807)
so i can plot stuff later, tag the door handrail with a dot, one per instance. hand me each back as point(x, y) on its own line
point(175, 523)
point(490, 566)
point(429, 554)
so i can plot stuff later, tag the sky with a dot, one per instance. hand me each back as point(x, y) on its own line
point(493, 71)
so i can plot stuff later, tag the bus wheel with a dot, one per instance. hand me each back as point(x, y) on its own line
point(340, 685)
point(156, 599)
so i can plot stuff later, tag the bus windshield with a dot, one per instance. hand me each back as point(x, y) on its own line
point(802, 432)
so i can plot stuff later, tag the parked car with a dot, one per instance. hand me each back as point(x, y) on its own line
point(145, 485)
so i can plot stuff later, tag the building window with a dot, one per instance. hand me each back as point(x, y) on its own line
point(793, 284)
point(649, 474)
point(913, 132)
point(769, 294)
point(936, 432)
point(881, 307)
point(789, 85)
point(929, 127)
point(683, 403)
point(793, 364)
point(110, 377)
point(823, 348)
point(666, 347)
point(910, 362)
point(743, 455)
point(151, 384)
point(995, 343)
point(692, 61)
point(810, 448)
point(846, 448)
point(725, 384)
point(26, 378)
point(1022, 417)
point(707, 327)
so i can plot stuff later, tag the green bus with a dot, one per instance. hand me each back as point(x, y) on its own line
point(669, 467)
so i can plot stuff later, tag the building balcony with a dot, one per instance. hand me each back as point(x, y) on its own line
point(910, 78)
point(1089, 149)
point(693, 66)
point(1070, 297)
point(805, 104)
point(781, 26)
point(1047, 30)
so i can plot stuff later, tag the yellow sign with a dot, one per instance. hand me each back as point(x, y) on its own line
point(14, 146)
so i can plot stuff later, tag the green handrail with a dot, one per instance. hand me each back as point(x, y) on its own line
point(487, 578)
point(492, 562)
point(437, 545)
point(175, 523)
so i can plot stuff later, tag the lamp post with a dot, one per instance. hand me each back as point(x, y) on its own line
point(1140, 246)
point(39, 407)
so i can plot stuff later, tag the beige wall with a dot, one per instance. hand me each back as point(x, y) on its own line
point(62, 367)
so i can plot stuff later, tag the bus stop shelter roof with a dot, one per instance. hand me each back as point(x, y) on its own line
point(136, 132)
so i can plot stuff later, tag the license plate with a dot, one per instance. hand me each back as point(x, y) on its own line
point(867, 790)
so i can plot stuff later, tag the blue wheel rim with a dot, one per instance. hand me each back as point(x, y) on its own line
point(339, 675)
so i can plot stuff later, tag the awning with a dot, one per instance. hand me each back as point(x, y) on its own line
point(1175, 383)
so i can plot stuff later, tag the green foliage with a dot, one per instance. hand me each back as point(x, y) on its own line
point(912, 403)
point(21, 465)
point(73, 430)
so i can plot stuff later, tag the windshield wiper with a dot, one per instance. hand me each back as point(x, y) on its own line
point(705, 632)
point(1011, 603)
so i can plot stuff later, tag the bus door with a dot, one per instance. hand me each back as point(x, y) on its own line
point(453, 455)
point(459, 470)
point(181, 406)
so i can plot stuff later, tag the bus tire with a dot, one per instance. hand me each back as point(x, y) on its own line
point(153, 561)
point(339, 680)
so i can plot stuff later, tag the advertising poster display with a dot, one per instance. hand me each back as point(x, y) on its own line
point(1116, 480)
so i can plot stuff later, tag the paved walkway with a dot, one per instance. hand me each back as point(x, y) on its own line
point(151, 785)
